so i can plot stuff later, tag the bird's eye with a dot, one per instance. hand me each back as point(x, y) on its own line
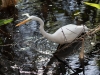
point(30, 19)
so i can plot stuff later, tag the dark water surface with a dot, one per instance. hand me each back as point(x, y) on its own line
point(34, 53)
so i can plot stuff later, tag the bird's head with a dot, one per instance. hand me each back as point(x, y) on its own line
point(27, 20)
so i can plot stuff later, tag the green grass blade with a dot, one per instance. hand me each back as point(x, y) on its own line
point(5, 21)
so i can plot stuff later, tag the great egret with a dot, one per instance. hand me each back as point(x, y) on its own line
point(65, 34)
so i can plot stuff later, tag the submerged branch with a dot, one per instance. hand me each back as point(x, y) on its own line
point(94, 30)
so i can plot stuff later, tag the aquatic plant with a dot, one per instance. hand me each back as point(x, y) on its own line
point(5, 21)
point(93, 5)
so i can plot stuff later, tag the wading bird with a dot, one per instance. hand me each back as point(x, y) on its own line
point(65, 34)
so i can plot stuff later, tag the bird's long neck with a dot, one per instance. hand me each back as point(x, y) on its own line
point(43, 32)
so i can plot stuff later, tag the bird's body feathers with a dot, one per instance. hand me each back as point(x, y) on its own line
point(65, 34)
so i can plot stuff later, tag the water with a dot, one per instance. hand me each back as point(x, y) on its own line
point(34, 53)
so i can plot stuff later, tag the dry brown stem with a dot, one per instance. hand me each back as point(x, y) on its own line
point(6, 3)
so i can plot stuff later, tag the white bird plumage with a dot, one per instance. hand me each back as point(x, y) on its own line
point(65, 34)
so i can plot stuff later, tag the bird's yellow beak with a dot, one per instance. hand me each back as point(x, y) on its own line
point(23, 22)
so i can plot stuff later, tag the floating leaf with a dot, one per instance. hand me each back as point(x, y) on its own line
point(93, 5)
point(77, 13)
point(5, 21)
